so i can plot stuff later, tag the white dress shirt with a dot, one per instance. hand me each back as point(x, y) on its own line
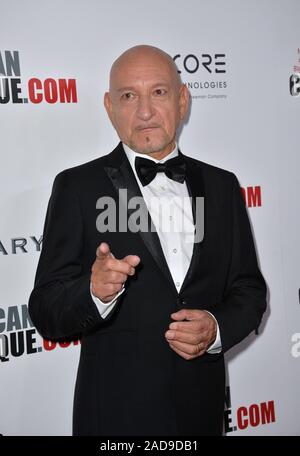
point(173, 221)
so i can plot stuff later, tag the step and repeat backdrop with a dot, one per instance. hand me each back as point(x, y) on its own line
point(241, 62)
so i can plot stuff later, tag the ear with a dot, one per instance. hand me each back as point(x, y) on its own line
point(184, 101)
point(108, 104)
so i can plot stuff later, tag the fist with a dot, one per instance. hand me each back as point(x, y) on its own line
point(109, 274)
point(191, 333)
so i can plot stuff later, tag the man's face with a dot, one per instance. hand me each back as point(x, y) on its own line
point(146, 103)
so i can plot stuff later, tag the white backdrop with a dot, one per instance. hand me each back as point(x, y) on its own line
point(243, 119)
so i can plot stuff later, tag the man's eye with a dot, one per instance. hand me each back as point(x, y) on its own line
point(127, 96)
point(160, 92)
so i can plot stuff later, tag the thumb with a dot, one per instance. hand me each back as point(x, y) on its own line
point(187, 314)
point(133, 260)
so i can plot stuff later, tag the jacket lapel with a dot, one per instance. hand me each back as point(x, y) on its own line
point(121, 175)
point(195, 186)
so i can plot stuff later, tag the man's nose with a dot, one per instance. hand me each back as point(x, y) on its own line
point(145, 108)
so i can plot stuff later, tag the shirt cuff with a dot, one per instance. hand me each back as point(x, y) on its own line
point(216, 347)
point(104, 308)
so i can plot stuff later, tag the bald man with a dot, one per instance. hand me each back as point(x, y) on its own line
point(156, 305)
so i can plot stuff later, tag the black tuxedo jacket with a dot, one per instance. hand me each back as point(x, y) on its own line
point(130, 382)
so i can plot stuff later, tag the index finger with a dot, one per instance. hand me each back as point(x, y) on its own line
point(113, 264)
point(190, 326)
point(103, 251)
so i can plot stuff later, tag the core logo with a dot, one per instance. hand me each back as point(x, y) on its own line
point(201, 73)
point(49, 90)
point(250, 416)
point(191, 63)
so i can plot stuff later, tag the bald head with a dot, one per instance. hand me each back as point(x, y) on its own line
point(146, 100)
point(139, 55)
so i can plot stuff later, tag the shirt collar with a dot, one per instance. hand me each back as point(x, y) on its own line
point(131, 154)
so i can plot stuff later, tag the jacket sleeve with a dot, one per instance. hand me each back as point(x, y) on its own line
point(244, 301)
point(60, 304)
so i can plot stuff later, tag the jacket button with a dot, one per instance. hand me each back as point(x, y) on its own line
point(181, 302)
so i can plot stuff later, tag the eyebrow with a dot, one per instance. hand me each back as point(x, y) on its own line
point(157, 84)
point(125, 89)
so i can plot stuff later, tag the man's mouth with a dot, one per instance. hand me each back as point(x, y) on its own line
point(147, 128)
